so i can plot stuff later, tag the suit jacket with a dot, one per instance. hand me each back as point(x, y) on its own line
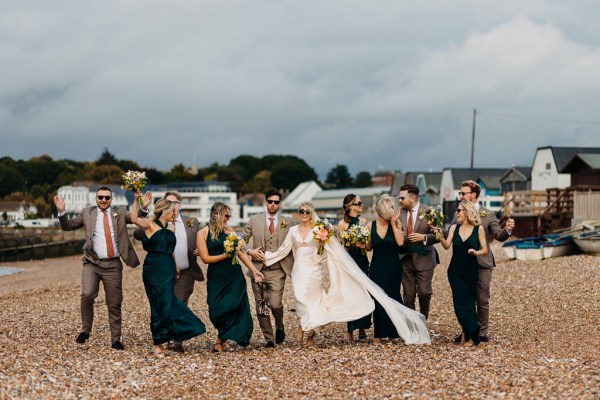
point(258, 230)
point(191, 230)
point(87, 220)
point(430, 258)
point(491, 227)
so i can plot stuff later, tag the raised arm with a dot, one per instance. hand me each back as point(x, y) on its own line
point(446, 242)
point(135, 219)
point(397, 229)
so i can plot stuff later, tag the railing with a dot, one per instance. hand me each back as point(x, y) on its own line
point(525, 203)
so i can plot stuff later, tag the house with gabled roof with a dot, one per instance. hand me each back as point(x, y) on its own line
point(549, 163)
point(428, 184)
point(584, 169)
point(516, 178)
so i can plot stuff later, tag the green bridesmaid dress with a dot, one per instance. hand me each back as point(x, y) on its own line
point(363, 263)
point(170, 319)
point(386, 272)
point(227, 297)
point(463, 276)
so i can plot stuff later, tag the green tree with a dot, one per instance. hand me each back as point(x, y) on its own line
point(178, 173)
point(363, 179)
point(106, 158)
point(339, 177)
point(108, 174)
point(227, 174)
point(247, 166)
point(10, 180)
point(260, 183)
point(290, 171)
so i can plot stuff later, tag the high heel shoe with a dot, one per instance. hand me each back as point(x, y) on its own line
point(362, 335)
point(218, 347)
point(310, 341)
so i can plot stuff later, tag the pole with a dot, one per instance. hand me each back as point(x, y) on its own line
point(473, 138)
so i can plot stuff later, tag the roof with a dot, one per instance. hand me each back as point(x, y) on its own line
point(303, 192)
point(563, 155)
point(517, 174)
point(10, 205)
point(333, 199)
point(433, 179)
point(591, 160)
point(490, 177)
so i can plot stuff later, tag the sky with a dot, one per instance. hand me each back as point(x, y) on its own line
point(374, 85)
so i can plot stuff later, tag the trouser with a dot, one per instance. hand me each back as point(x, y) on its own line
point(483, 299)
point(110, 273)
point(184, 285)
point(415, 283)
point(273, 285)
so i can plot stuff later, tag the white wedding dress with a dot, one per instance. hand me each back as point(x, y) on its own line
point(349, 295)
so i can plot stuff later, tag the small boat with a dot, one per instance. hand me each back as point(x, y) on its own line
point(539, 247)
point(588, 242)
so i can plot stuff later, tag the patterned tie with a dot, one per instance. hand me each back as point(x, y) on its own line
point(110, 250)
point(409, 228)
point(271, 225)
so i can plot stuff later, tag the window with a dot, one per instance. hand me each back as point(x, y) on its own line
point(548, 166)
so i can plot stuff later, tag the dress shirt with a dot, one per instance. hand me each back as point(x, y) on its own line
point(98, 238)
point(181, 248)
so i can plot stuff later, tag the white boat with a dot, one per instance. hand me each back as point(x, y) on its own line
point(588, 242)
point(539, 248)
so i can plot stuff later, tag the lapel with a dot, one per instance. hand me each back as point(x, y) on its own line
point(417, 219)
point(94, 218)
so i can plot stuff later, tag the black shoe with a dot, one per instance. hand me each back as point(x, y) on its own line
point(270, 345)
point(459, 338)
point(484, 338)
point(82, 337)
point(279, 335)
point(117, 345)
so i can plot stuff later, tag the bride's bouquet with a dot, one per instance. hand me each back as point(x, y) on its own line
point(434, 216)
point(233, 243)
point(135, 181)
point(323, 232)
point(356, 237)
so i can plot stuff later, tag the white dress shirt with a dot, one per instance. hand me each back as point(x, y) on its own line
point(181, 248)
point(98, 238)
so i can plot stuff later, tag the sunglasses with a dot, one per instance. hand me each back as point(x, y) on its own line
point(357, 204)
point(463, 193)
point(459, 210)
point(305, 212)
point(273, 201)
point(228, 216)
point(103, 197)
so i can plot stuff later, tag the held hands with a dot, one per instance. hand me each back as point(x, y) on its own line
point(257, 255)
point(59, 203)
point(416, 237)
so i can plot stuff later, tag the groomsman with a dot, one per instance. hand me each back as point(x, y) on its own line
point(268, 230)
point(186, 256)
point(106, 242)
point(418, 256)
point(470, 191)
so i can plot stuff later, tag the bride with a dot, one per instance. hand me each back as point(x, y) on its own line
point(349, 295)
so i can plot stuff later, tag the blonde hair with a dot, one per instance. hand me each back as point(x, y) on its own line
point(313, 214)
point(162, 206)
point(386, 208)
point(470, 212)
point(172, 193)
point(215, 226)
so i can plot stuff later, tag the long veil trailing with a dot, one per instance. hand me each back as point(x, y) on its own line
point(409, 323)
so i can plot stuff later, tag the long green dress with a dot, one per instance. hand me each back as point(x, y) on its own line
point(363, 263)
point(228, 306)
point(463, 275)
point(385, 271)
point(170, 319)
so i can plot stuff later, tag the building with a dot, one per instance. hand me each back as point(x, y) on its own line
point(584, 169)
point(302, 193)
point(11, 211)
point(549, 163)
point(428, 184)
point(488, 178)
point(329, 203)
point(516, 178)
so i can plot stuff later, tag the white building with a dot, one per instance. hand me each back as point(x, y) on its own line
point(83, 194)
point(547, 163)
point(15, 210)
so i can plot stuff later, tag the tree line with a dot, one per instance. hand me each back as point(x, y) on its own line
point(37, 179)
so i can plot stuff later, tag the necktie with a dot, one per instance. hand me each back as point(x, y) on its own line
point(409, 228)
point(110, 250)
point(271, 225)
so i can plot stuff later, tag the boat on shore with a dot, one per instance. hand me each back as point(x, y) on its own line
point(540, 247)
point(589, 242)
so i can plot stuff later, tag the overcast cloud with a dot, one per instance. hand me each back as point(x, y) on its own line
point(370, 84)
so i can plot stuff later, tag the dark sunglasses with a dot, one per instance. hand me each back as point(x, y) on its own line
point(463, 193)
point(302, 211)
point(103, 197)
point(357, 204)
point(458, 210)
point(228, 216)
point(273, 201)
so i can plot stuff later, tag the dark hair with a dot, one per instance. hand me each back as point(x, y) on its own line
point(410, 188)
point(346, 205)
point(474, 186)
point(172, 193)
point(103, 188)
point(273, 192)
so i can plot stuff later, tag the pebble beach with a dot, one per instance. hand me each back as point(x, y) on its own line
point(544, 343)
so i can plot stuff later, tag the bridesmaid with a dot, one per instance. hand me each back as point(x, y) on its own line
point(468, 242)
point(352, 209)
point(170, 319)
point(227, 297)
point(385, 271)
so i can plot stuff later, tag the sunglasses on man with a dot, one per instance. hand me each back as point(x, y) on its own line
point(274, 201)
point(103, 197)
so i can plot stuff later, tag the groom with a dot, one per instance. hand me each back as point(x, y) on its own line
point(268, 230)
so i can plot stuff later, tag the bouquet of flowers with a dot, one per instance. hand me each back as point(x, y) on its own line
point(323, 231)
point(434, 216)
point(232, 244)
point(135, 181)
point(357, 236)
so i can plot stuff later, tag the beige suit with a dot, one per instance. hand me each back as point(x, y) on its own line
point(258, 230)
point(109, 271)
point(418, 264)
point(487, 263)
